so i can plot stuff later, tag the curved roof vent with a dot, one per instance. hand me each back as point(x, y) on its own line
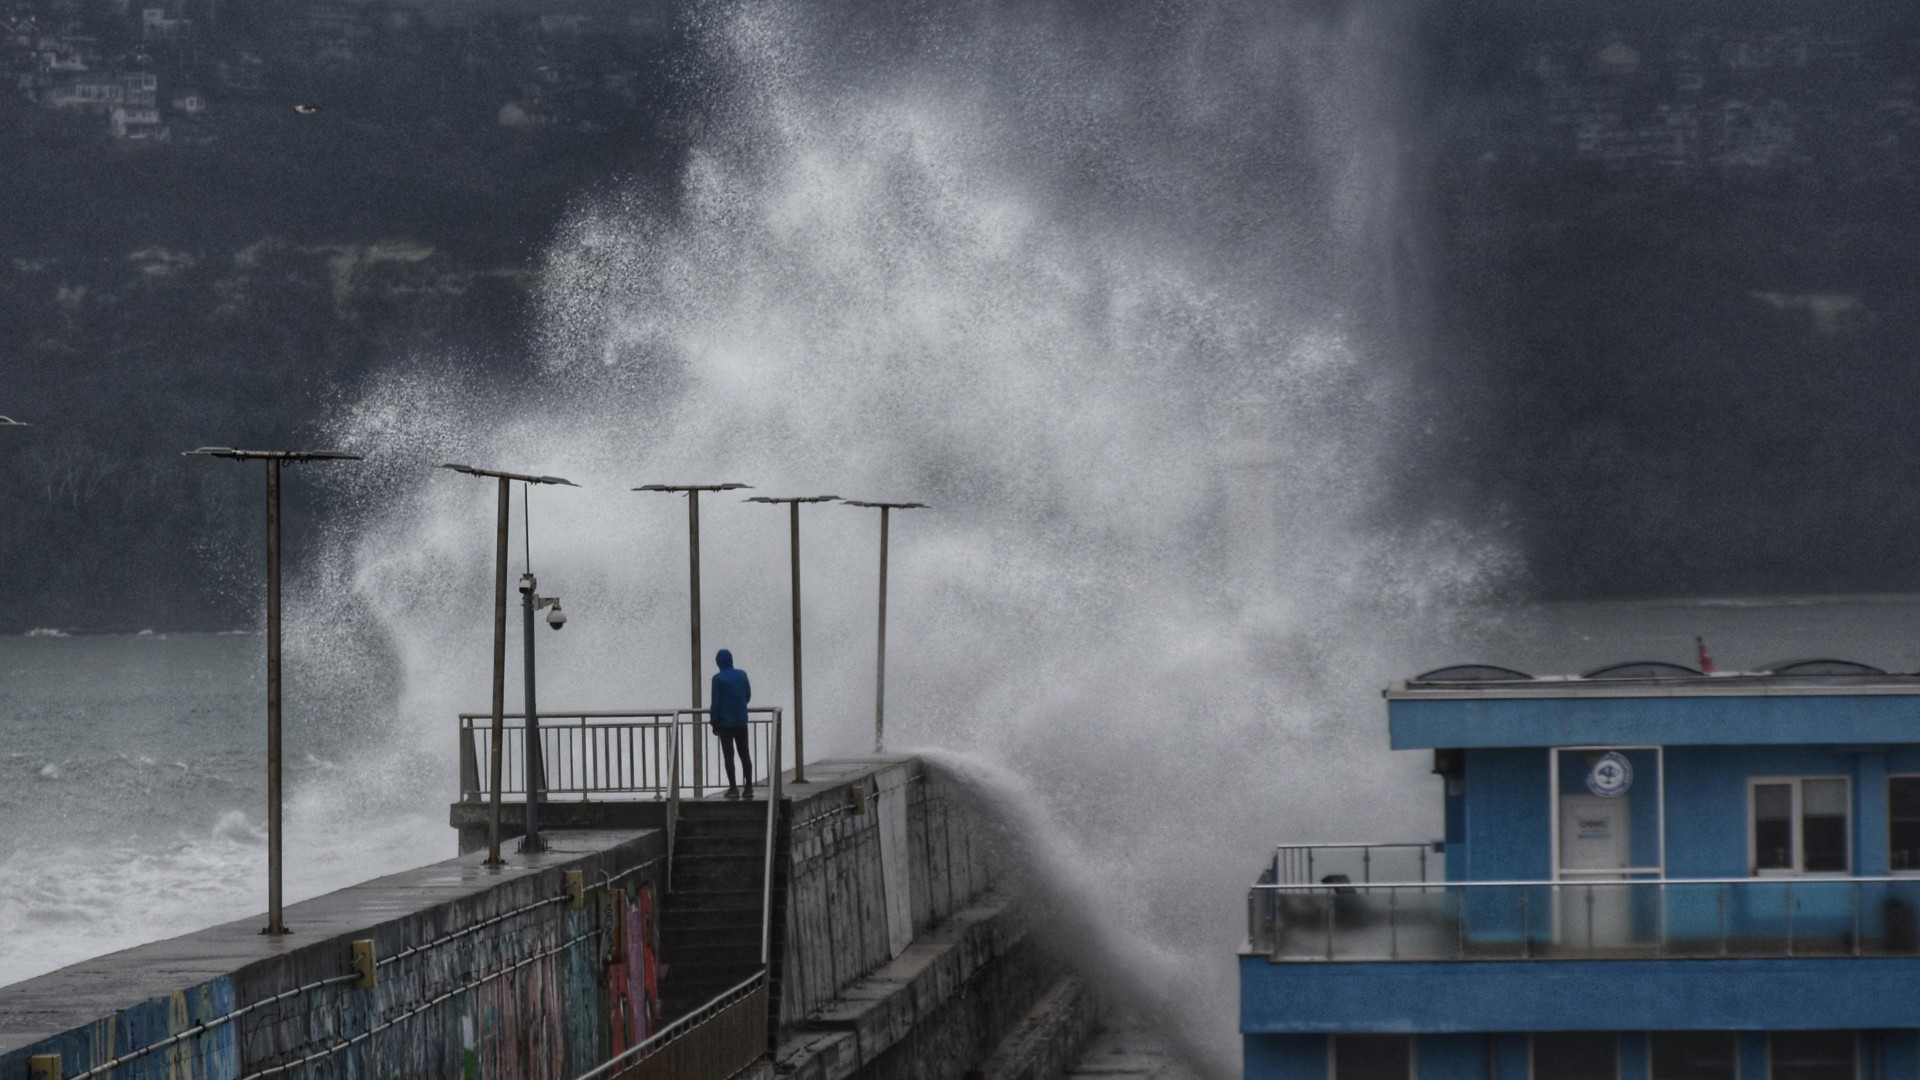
point(1643, 669)
point(1822, 667)
point(1472, 673)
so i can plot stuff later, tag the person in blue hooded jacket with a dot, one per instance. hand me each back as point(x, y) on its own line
point(728, 714)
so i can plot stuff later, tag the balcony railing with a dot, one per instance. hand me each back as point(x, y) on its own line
point(1589, 919)
point(603, 755)
point(1309, 864)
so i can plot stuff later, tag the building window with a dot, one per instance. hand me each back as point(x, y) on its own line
point(1693, 1055)
point(1575, 1055)
point(1800, 825)
point(1811, 1055)
point(1372, 1057)
point(1903, 822)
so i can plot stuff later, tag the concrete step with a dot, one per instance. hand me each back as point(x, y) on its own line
point(715, 875)
point(748, 846)
point(728, 810)
point(703, 920)
point(710, 956)
point(713, 900)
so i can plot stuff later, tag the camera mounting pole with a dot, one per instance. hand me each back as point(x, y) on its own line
point(496, 743)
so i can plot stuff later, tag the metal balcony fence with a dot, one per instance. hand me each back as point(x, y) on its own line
point(602, 755)
point(1587, 919)
point(1307, 864)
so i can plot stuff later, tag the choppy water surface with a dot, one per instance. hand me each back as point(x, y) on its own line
point(133, 792)
point(132, 782)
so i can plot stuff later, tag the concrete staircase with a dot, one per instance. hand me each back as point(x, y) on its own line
point(711, 925)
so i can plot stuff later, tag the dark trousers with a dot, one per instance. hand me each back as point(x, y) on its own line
point(734, 740)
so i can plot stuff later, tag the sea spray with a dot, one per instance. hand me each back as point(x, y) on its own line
point(1134, 969)
point(1108, 290)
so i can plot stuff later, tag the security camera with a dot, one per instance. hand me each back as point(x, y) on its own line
point(527, 583)
point(556, 618)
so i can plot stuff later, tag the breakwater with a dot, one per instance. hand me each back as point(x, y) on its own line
point(900, 946)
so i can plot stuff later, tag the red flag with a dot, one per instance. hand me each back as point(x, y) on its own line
point(1706, 658)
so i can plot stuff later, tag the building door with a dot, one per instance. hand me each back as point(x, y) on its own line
point(1595, 847)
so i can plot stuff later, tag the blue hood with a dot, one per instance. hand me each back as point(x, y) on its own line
point(724, 658)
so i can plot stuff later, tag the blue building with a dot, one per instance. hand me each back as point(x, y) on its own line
point(1647, 874)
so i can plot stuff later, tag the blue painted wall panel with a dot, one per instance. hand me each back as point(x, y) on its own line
point(1504, 830)
point(1584, 995)
point(1507, 827)
point(1451, 1057)
point(1284, 1057)
point(1654, 721)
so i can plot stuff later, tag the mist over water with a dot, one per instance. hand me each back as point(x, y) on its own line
point(1107, 288)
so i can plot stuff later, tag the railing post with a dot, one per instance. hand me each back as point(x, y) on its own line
point(673, 795)
point(1526, 923)
point(1789, 918)
point(1660, 927)
point(1423, 864)
point(1366, 865)
point(469, 764)
point(1460, 924)
point(766, 881)
point(1856, 918)
point(1720, 898)
point(1393, 923)
point(1330, 901)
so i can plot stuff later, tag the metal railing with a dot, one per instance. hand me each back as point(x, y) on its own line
point(730, 1032)
point(714, 1041)
point(625, 754)
point(1544, 920)
point(1306, 864)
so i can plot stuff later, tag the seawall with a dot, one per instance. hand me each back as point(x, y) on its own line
point(901, 947)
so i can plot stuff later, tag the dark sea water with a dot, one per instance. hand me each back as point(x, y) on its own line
point(132, 792)
point(132, 788)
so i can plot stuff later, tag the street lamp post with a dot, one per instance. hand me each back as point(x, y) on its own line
point(498, 739)
point(793, 507)
point(693, 592)
point(274, 459)
point(880, 663)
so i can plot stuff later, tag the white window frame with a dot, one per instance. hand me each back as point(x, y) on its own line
point(1413, 1052)
point(1797, 845)
point(1911, 871)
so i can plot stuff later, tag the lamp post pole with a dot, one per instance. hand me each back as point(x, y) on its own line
point(276, 925)
point(497, 739)
point(799, 737)
point(880, 659)
point(692, 492)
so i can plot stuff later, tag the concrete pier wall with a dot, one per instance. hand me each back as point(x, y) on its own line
point(902, 949)
point(876, 855)
point(481, 972)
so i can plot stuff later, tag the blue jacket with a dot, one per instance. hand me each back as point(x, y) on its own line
point(731, 692)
